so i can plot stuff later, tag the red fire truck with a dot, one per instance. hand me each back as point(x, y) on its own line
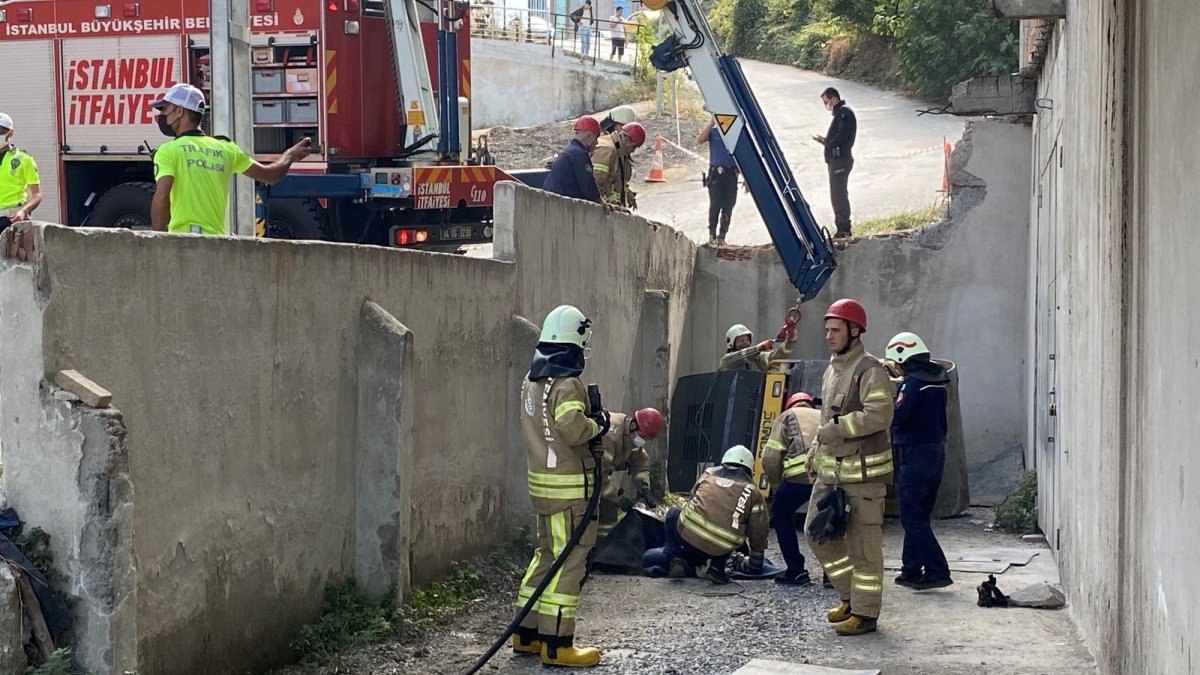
point(392, 165)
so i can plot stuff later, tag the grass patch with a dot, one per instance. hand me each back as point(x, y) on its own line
point(350, 619)
point(1018, 513)
point(900, 222)
point(59, 663)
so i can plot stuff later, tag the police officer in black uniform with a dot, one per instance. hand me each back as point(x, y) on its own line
point(838, 142)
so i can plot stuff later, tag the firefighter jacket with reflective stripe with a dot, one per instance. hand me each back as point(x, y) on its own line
point(857, 392)
point(555, 422)
point(724, 510)
point(787, 448)
point(613, 169)
point(752, 359)
point(619, 453)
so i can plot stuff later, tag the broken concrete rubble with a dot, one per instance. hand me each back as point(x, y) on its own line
point(1040, 596)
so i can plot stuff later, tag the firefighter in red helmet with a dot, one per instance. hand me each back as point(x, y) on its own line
point(612, 164)
point(783, 461)
point(853, 452)
point(624, 449)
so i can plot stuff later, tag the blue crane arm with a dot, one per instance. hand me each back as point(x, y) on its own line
point(802, 245)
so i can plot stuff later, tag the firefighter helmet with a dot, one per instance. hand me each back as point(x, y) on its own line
point(622, 114)
point(797, 398)
point(849, 311)
point(739, 455)
point(649, 423)
point(736, 331)
point(636, 133)
point(566, 325)
point(905, 346)
point(588, 124)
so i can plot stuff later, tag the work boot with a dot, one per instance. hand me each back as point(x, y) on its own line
point(825, 581)
point(720, 241)
point(842, 234)
point(840, 613)
point(926, 583)
point(525, 641)
point(801, 578)
point(681, 569)
point(716, 574)
point(906, 579)
point(568, 655)
point(856, 625)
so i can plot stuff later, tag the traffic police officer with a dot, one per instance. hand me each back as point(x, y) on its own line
point(20, 185)
point(853, 452)
point(559, 426)
point(722, 182)
point(192, 170)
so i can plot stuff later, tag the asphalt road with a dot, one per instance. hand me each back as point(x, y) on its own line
point(898, 155)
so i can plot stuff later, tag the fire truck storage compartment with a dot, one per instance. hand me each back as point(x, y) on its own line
point(301, 110)
point(269, 112)
point(268, 81)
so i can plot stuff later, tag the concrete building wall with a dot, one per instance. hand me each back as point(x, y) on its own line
point(959, 285)
point(520, 85)
point(1115, 217)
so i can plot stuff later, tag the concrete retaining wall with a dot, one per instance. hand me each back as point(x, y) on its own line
point(304, 412)
point(959, 285)
point(520, 85)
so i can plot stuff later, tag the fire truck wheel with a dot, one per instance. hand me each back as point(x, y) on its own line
point(126, 205)
point(294, 219)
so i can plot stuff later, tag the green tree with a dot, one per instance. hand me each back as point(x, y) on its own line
point(749, 22)
point(942, 42)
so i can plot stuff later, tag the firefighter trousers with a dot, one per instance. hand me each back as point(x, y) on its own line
point(554, 613)
point(854, 564)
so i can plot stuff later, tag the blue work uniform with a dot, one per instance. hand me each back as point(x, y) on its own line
point(571, 174)
point(919, 436)
point(722, 183)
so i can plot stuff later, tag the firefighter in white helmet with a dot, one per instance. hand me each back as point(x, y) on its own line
point(740, 352)
point(20, 184)
point(919, 438)
point(725, 511)
point(559, 426)
point(617, 117)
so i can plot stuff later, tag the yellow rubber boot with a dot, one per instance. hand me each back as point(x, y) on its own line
point(526, 646)
point(571, 656)
point(856, 625)
point(840, 613)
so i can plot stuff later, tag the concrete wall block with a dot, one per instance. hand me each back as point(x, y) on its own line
point(522, 338)
point(12, 637)
point(384, 453)
point(994, 95)
point(652, 383)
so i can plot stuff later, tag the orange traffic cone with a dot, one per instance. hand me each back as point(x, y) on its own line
point(656, 163)
point(946, 149)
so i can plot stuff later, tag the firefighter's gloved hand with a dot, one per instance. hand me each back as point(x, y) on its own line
point(647, 498)
point(602, 420)
point(827, 433)
point(766, 346)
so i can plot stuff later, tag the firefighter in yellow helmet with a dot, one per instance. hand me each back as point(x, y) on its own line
point(612, 164)
point(559, 427)
point(852, 452)
point(783, 461)
point(741, 352)
point(624, 450)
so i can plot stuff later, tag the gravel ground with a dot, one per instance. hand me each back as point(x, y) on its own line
point(685, 627)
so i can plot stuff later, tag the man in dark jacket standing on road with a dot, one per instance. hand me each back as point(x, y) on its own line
point(838, 142)
point(571, 174)
point(919, 436)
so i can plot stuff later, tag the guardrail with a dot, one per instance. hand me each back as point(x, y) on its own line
point(605, 42)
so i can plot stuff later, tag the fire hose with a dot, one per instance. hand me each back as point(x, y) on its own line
point(593, 394)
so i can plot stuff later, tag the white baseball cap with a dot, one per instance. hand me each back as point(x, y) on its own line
point(6, 122)
point(183, 95)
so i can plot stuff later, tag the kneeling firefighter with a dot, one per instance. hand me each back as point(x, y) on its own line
point(724, 510)
point(624, 450)
point(560, 426)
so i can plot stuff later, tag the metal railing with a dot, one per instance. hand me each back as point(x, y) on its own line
point(600, 43)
